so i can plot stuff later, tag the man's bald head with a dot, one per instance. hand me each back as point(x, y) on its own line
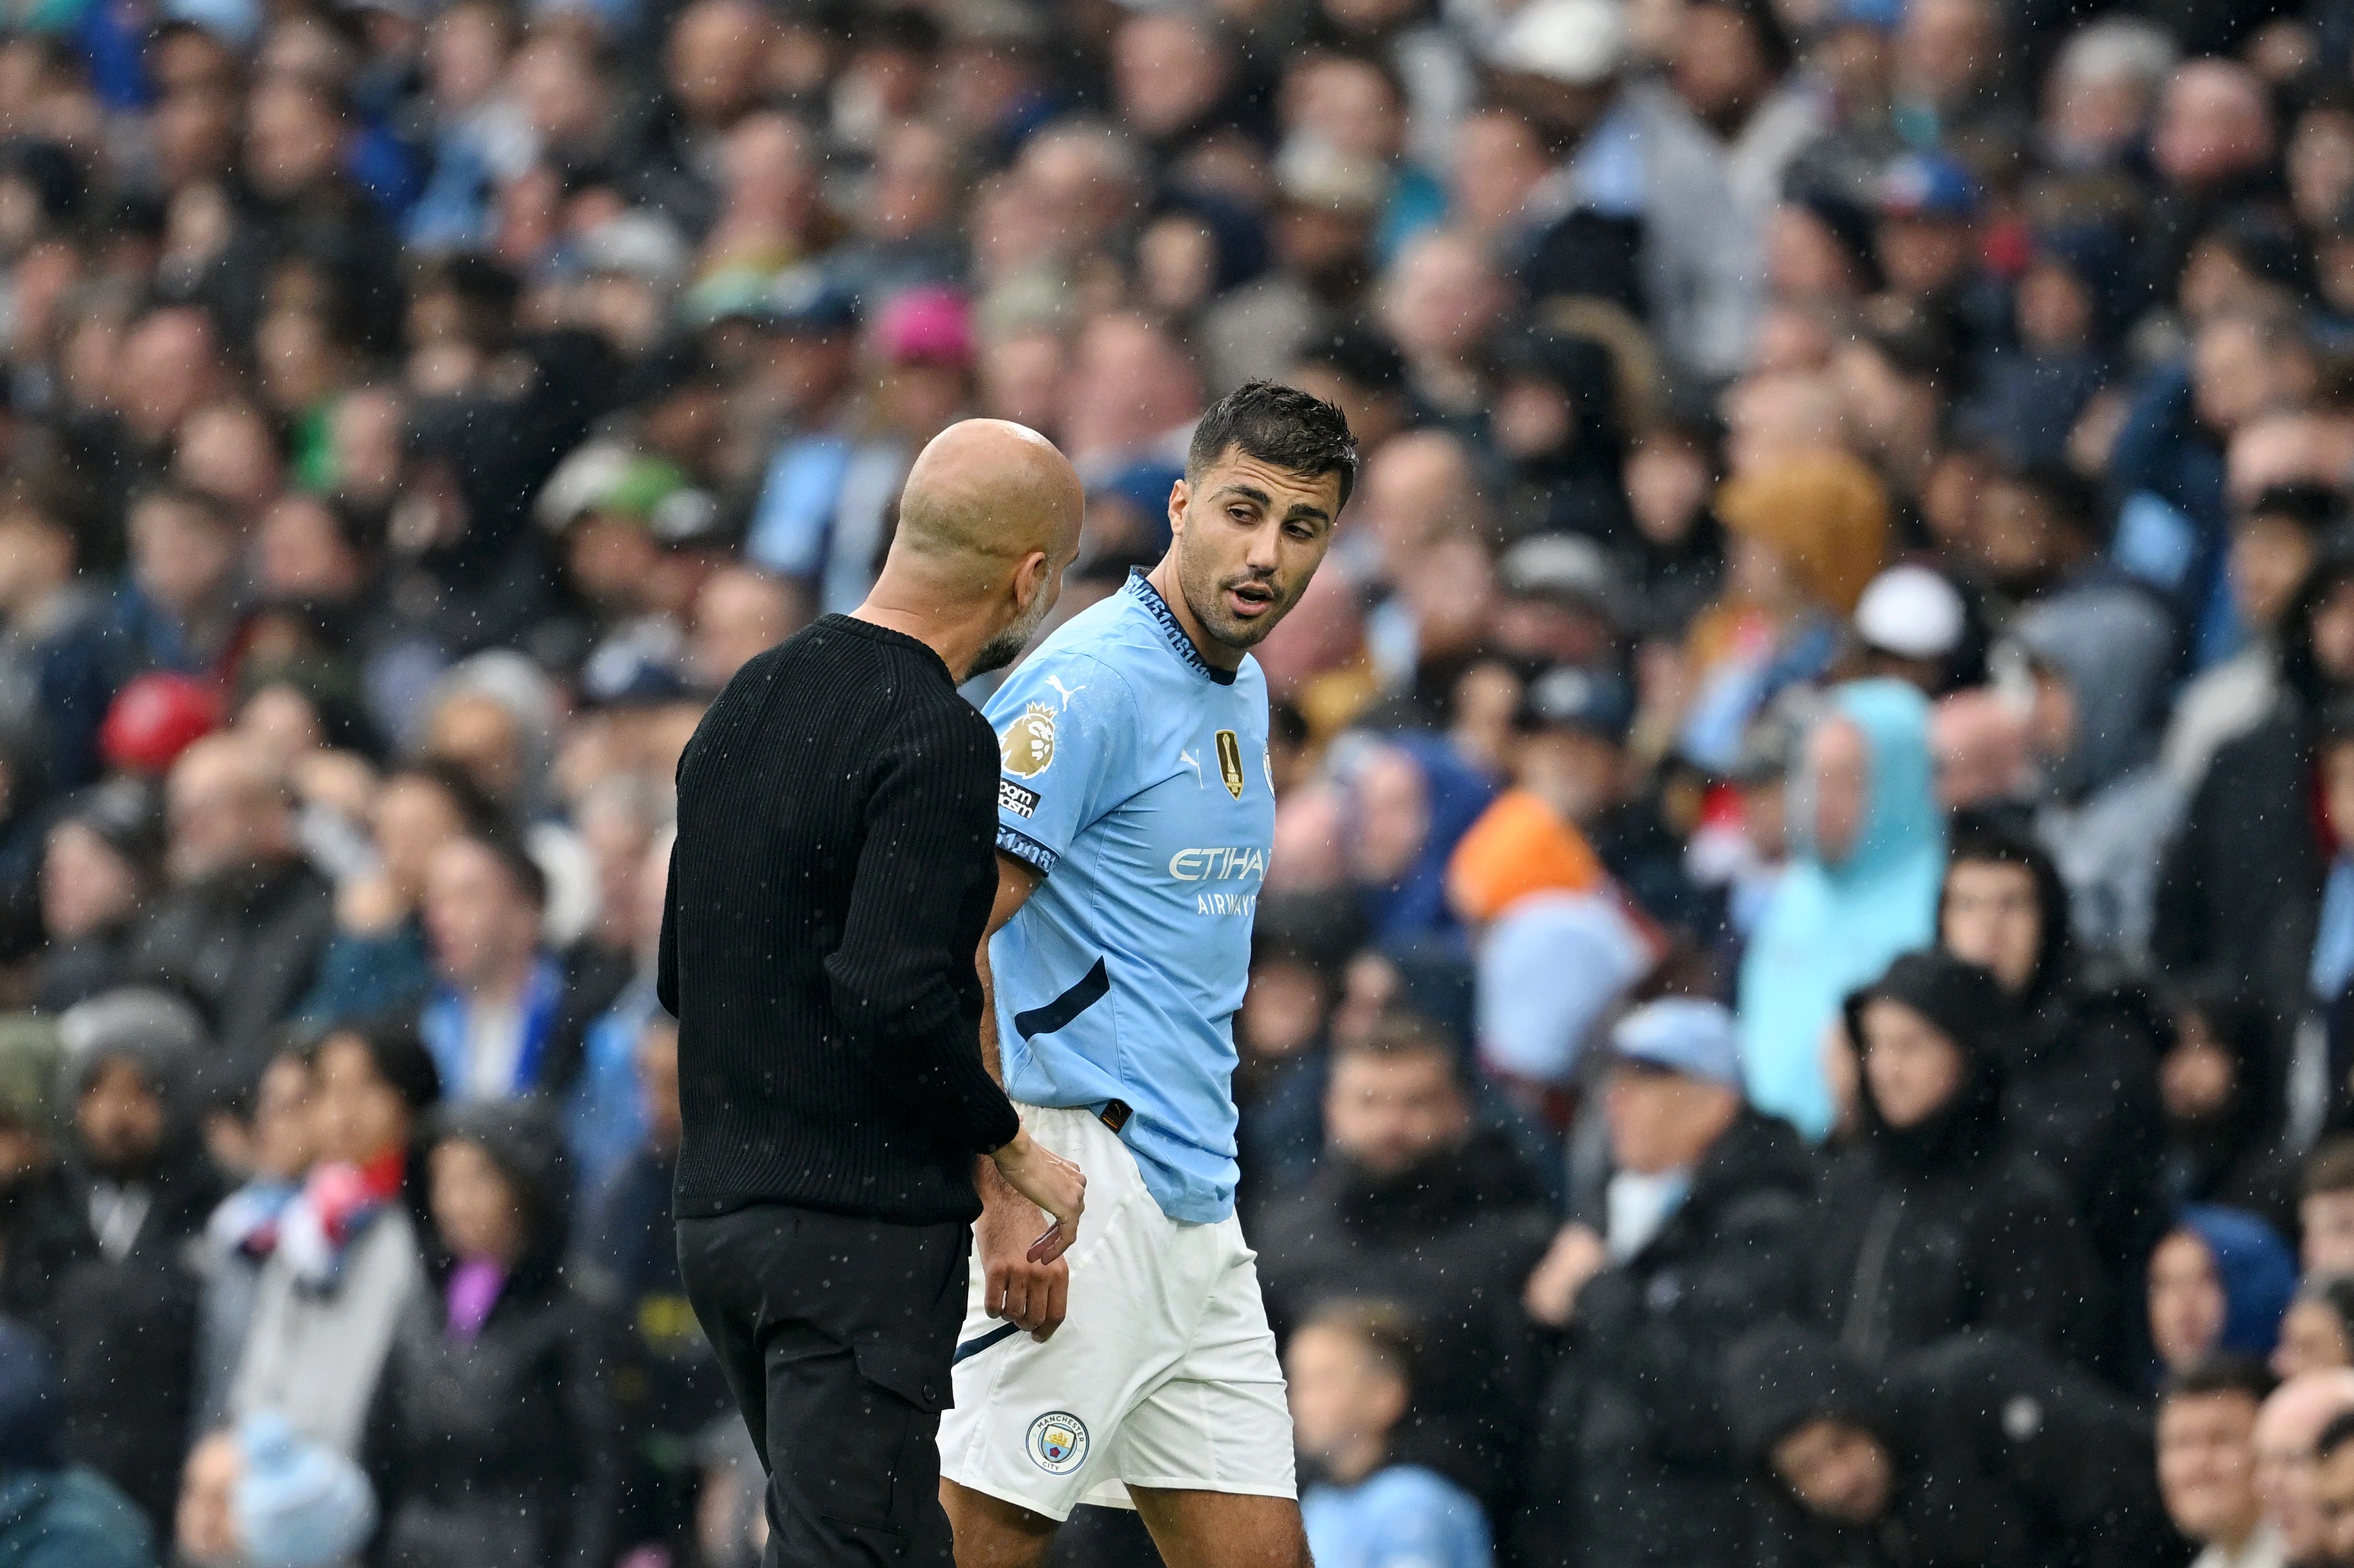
point(2297, 1411)
point(2287, 1428)
point(988, 491)
point(227, 806)
point(991, 512)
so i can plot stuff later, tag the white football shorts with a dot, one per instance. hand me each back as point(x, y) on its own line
point(1163, 1373)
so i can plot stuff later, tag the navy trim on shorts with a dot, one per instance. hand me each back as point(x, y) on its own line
point(972, 1348)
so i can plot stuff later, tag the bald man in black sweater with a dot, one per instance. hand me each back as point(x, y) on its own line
point(834, 874)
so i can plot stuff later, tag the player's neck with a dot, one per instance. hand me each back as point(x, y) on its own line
point(1164, 578)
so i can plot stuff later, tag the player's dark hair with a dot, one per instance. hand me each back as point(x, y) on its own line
point(1282, 425)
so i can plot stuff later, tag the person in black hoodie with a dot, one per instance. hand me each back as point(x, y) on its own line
point(1931, 1222)
point(2080, 1062)
point(1556, 424)
point(1414, 1203)
point(1633, 1460)
point(1980, 1453)
point(493, 1442)
point(124, 1319)
point(2239, 886)
point(2221, 1082)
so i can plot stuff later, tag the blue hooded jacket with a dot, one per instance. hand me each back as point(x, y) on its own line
point(2255, 1268)
point(1828, 930)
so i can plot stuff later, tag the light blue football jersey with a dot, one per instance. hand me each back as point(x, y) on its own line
point(1135, 776)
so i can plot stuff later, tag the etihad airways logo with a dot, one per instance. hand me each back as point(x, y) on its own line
point(1230, 863)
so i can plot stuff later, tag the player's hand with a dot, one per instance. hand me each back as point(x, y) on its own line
point(1052, 1182)
point(1030, 1294)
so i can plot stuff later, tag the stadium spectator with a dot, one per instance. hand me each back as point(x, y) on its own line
point(1862, 887)
point(2080, 1087)
point(1931, 1223)
point(496, 1021)
point(55, 1510)
point(2220, 1282)
point(493, 1439)
point(127, 1315)
point(2325, 1210)
point(1417, 1202)
point(1706, 1234)
point(1350, 1371)
point(2207, 1462)
point(2318, 1333)
point(1982, 1451)
point(2287, 1427)
point(245, 919)
point(346, 1255)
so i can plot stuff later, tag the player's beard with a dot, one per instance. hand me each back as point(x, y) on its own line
point(1007, 645)
point(1205, 596)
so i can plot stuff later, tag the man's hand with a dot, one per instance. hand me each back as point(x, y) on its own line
point(1024, 1279)
point(1575, 1256)
point(1052, 1182)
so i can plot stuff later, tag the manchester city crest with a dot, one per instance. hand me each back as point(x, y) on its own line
point(1058, 1441)
point(1028, 744)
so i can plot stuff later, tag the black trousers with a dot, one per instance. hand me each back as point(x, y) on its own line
point(836, 1336)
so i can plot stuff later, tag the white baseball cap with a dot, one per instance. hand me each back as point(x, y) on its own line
point(1575, 42)
point(1911, 612)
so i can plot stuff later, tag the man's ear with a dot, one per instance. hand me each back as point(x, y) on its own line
point(1029, 577)
point(1179, 495)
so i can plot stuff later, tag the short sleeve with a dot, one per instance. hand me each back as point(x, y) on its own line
point(1065, 724)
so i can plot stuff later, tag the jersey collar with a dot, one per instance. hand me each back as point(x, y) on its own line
point(1149, 596)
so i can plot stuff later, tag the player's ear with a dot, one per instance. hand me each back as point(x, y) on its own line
point(1179, 495)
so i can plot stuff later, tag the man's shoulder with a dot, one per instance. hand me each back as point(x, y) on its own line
point(1098, 655)
point(1113, 632)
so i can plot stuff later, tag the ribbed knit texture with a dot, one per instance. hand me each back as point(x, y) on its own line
point(833, 873)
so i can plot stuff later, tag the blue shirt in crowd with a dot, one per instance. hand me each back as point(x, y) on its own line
point(1402, 1517)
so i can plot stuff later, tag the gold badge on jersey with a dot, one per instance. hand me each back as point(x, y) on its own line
point(1230, 762)
point(1028, 744)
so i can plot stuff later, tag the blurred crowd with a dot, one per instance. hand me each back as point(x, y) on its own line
point(1800, 1009)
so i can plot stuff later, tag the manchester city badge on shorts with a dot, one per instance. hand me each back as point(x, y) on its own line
point(1058, 1441)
